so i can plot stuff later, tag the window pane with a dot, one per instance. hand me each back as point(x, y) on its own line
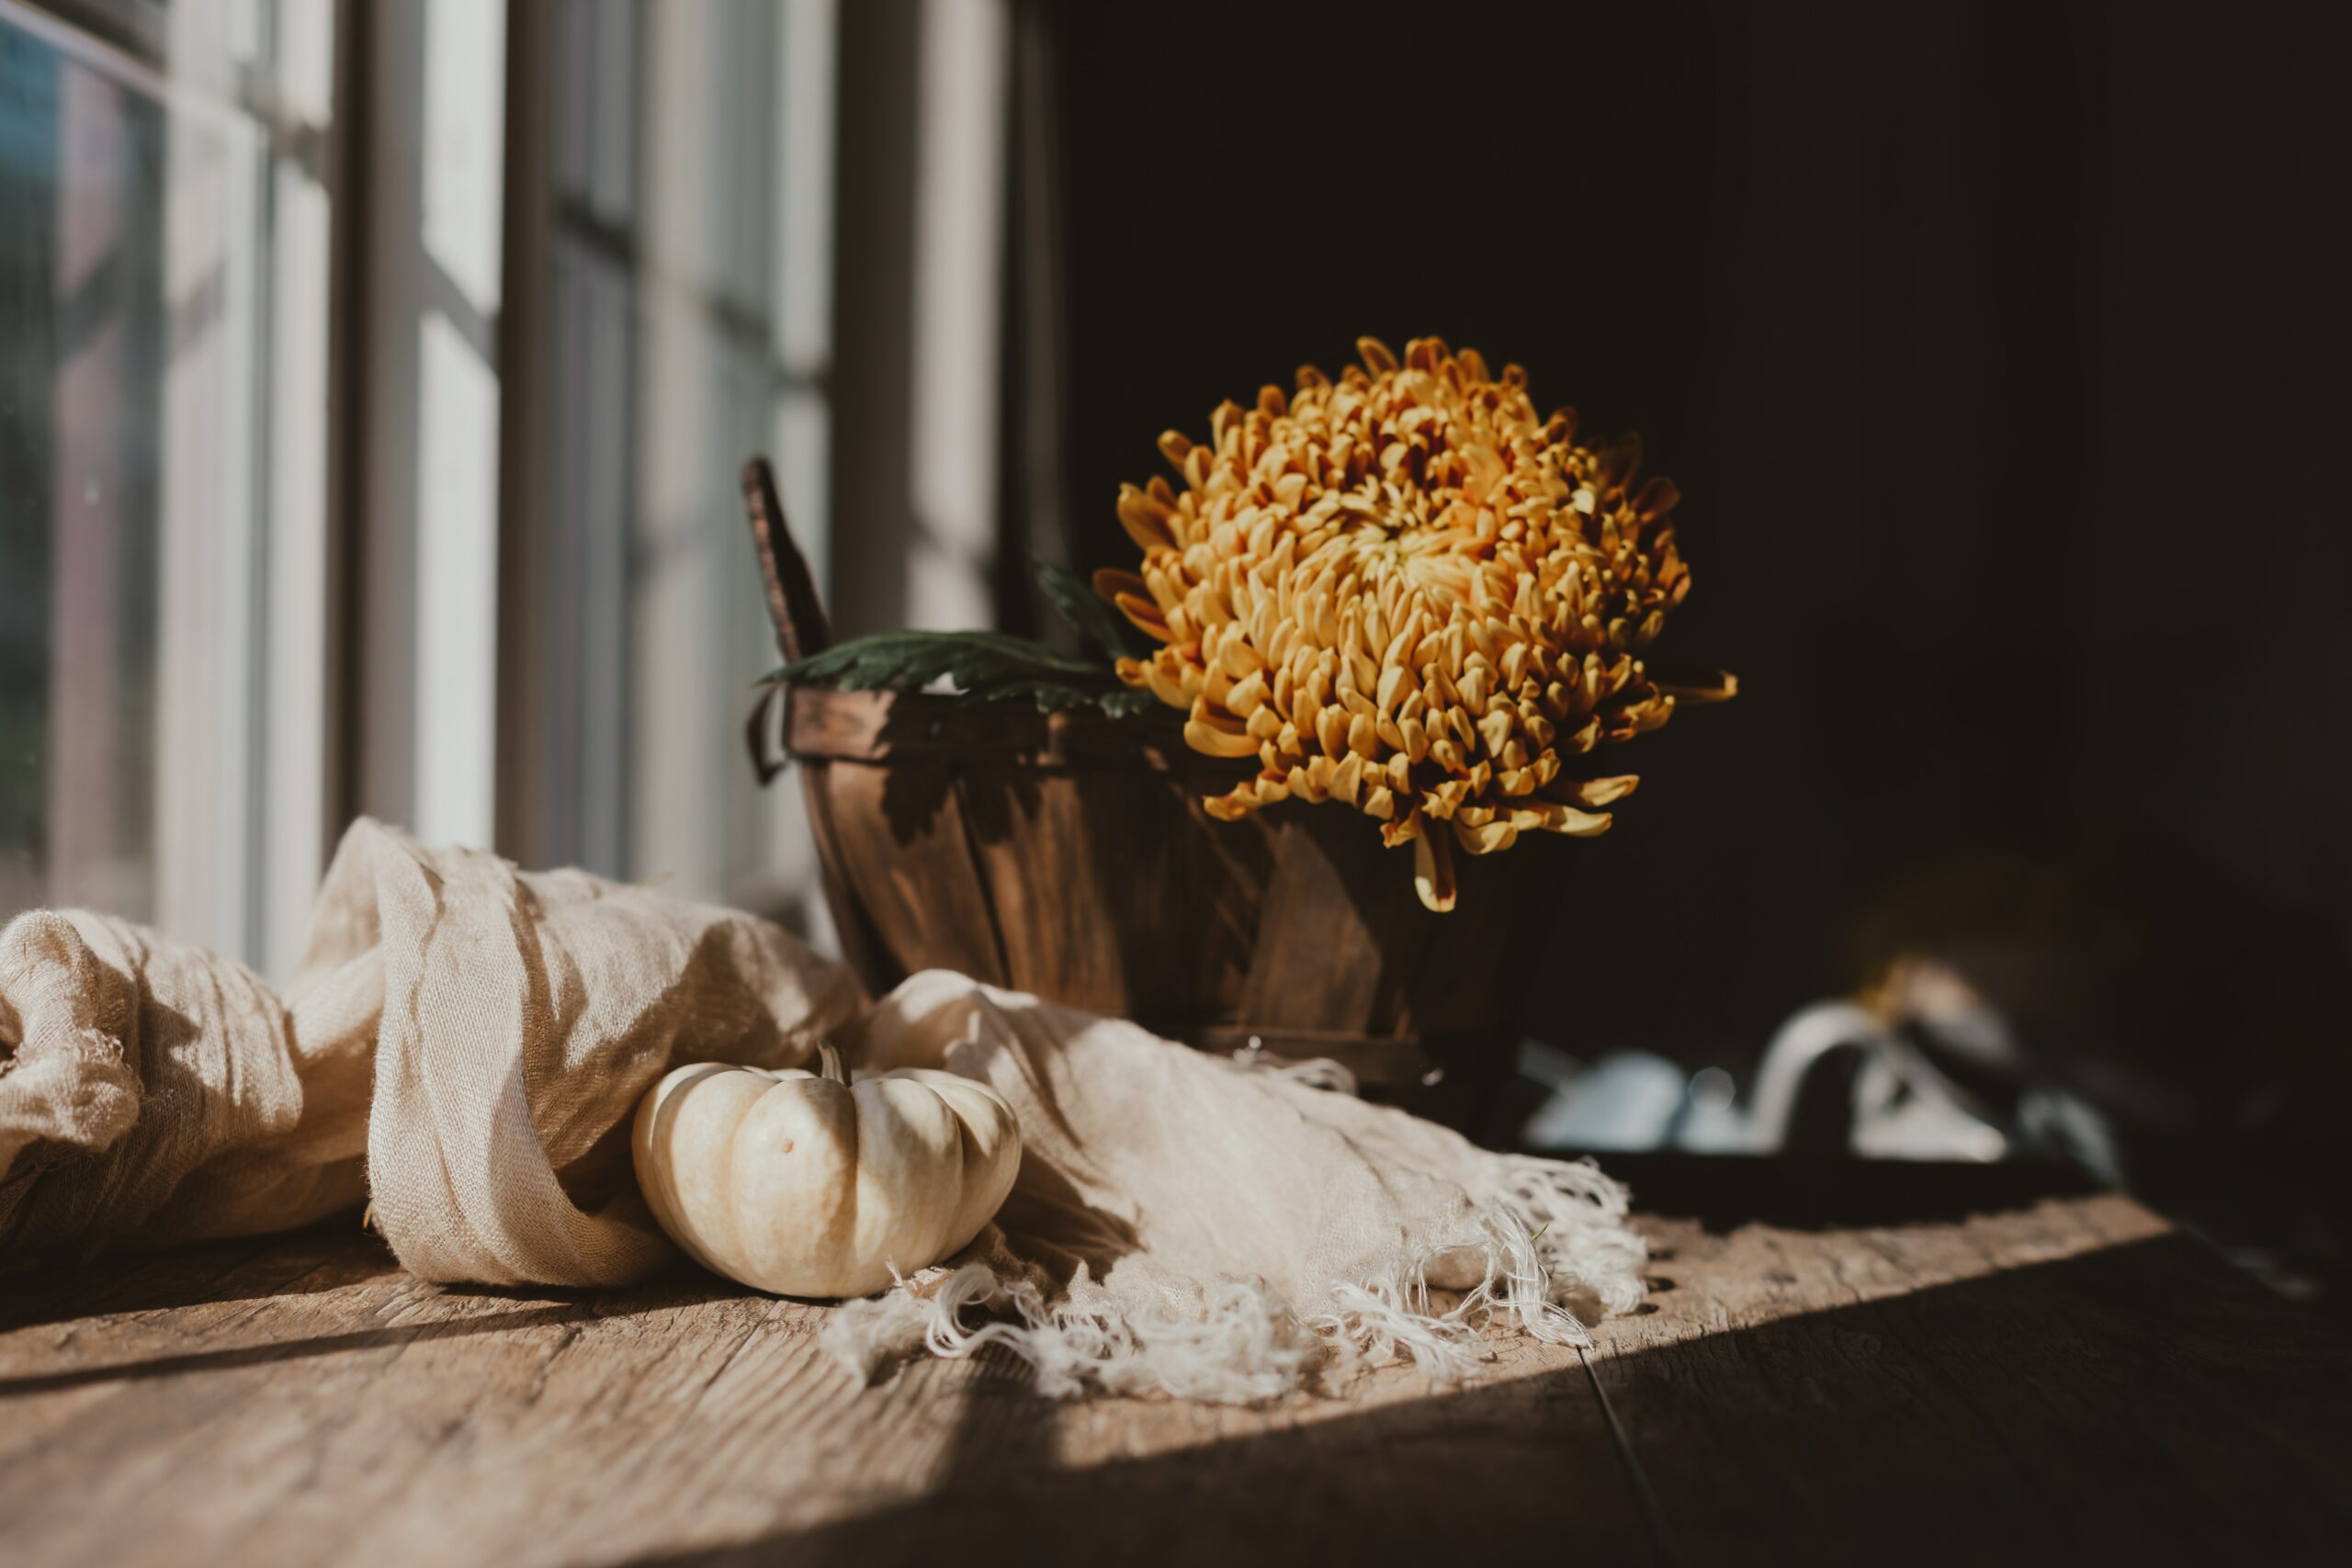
point(151, 509)
point(83, 334)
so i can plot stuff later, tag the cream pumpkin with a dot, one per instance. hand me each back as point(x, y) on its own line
point(809, 1185)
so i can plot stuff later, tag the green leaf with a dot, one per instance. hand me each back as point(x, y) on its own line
point(1084, 609)
point(980, 666)
point(1126, 702)
point(1119, 702)
point(910, 660)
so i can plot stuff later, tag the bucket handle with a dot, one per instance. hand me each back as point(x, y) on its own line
point(801, 628)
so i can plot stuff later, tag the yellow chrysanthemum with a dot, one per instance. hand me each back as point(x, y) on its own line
point(1404, 590)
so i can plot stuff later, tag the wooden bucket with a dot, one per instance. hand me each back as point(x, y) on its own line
point(1068, 855)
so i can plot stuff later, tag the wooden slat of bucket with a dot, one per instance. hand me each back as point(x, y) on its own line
point(1317, 965)
point(863, 945)
point(1098, 894)
point(1057, 854)
point(905, 851)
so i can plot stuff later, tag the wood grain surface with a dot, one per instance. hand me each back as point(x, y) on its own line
point(2001, 1376)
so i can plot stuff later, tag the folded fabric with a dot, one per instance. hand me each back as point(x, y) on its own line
point(465, 1044)
point(1188, 1226)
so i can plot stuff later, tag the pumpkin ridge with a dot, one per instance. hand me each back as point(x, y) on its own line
point(967, 1151)
point(946, 1239)
point(664, 1105)
point(841, 1236)
point(727, 1164)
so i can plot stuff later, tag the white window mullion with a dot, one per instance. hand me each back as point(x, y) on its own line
point(293, 772)
point(801, 429)
point(426, 558)
point(958, 312)
point(208, 498)
point(457, 276)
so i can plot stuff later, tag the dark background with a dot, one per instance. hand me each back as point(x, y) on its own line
point(1999, 352)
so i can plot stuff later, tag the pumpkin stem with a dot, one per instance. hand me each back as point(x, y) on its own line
point(828, 1063)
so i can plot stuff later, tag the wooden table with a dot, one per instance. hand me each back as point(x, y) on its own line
point(1858, 1364)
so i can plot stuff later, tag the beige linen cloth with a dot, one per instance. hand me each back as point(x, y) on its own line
point(464, 1043)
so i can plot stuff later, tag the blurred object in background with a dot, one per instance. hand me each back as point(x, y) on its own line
point(1832, 1081)
point(2154, 1024)
point(2166, 1025)
point(1835, 1081)
point(1628, 1101)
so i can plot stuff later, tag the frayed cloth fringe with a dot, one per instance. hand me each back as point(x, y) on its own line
point(1549, 1255)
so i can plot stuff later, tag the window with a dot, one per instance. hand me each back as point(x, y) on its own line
point(386, 461)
